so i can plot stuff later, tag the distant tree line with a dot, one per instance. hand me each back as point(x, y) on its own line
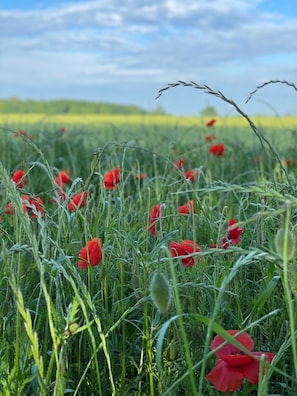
point(65, 106)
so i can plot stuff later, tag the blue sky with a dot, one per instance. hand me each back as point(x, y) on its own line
point(125, 51)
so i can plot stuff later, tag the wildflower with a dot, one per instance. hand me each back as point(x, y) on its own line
point(19, 178)
point(217, 149)
point(180, 163)
point(22, 133)
point(33, 206)
point(234, 233)
point(78, 201)
point(91, 254)
point(187, 208)
point(62, 178)
point(63, 130)
point(61, 198)
point(9, 209)
point(191, 174)
point(231, 238)
point(140, 176)
point(233, 365)
point(155, 214)
point(112, 178)
point(210, 138)
point(185, 248)
point(210, 123)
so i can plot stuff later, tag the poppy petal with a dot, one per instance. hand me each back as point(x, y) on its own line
point(251, 370)
point(225, 378)
point(244, 339)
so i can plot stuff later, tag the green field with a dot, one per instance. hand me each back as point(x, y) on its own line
point(140, 320)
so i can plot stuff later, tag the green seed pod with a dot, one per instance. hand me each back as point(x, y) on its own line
point(279, 241)
point(161, 292)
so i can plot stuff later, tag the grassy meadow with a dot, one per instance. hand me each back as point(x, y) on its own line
point(141, 319)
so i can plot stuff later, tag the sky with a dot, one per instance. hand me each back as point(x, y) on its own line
point(125, 51)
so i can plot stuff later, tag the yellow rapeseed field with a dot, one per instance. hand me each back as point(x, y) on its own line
point(147, 119)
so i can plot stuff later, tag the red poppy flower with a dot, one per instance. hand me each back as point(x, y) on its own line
point(19, 178)
point(217, 149)
point(234, 233)
point(210, 123)
point(233, 365)
point(187, 208)
point(57, 200)
point(232, 237)
point(112, 178)
point(185, 248)
point(91, 254)
point(155, 214)
point(9, 209)
point(62, 178)
point(78, 201)
point(210, 138)
point(140, 176)
point(180, 163)
point(32, 205)
point(22, 133)
point(63, 130)
point(191, 174)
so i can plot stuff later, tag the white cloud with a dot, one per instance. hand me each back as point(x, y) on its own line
point(80, 45)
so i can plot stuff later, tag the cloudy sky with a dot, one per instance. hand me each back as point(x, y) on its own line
point(124, 51)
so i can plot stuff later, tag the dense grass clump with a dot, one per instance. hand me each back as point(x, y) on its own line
point(172, 259)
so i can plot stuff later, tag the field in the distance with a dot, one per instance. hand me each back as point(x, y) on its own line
point(146, 119)
point(162, 194)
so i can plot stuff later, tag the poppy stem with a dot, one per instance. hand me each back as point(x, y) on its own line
point(286, 284)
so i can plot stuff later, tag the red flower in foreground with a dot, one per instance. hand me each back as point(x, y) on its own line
point(78, 201)
point(217, 149)
point(233, 365)
point(191, 174)
point(185, 248)
point(210, 123)
point(187, 208)
point(32, 205)
point(62, 178)
point(19, 178)
point(91, 254)
point(155, 214)
point(180, 163)
point(210, 138)
point(112, 178)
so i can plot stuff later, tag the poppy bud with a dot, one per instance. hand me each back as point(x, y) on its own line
point(293, 279)
point(161, 292)
point(279, 241)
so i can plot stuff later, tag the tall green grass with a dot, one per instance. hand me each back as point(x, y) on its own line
point(98, 332)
